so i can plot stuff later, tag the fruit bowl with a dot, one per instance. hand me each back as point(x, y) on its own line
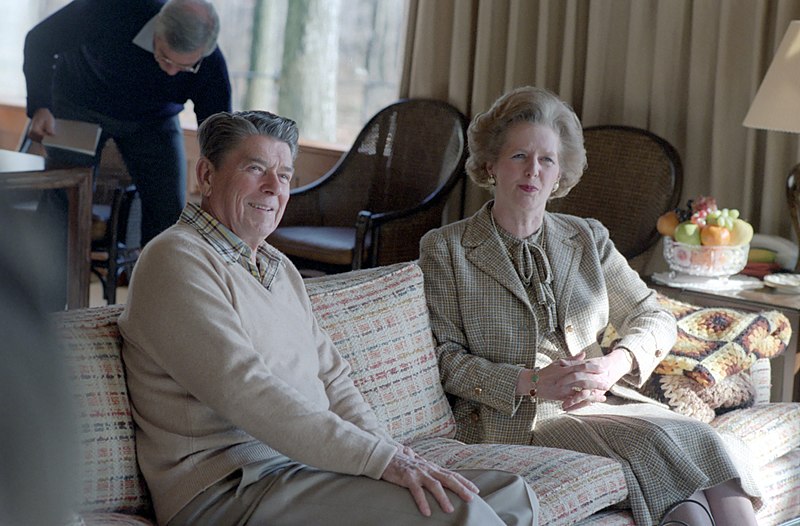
point(705, 260)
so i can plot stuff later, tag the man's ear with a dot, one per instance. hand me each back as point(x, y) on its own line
point(204, 171)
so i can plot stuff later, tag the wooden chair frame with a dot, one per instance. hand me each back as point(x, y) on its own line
point(373, 227)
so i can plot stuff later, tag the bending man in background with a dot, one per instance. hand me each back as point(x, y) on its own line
point(129, 67)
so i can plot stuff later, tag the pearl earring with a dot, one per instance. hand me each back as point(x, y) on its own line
point(491, 180)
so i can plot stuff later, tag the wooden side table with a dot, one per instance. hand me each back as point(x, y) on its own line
point(785, 379)
point(77, 182)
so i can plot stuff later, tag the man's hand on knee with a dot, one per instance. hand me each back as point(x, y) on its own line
point(409, 470)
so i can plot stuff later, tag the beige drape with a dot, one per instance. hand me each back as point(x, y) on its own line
point(684, 69)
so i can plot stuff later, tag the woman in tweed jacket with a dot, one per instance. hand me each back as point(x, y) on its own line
point(518, 298)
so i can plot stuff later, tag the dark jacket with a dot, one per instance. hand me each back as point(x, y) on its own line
point(85, 53)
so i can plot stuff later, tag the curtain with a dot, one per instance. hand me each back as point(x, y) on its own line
point(683, 69)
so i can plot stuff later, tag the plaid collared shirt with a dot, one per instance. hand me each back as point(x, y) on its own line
point(231, 247)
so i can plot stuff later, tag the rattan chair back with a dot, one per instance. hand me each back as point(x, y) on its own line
point(633, 177)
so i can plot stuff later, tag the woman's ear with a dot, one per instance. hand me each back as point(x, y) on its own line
point(204, 171)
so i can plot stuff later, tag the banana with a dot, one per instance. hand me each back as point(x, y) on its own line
point(761, 255)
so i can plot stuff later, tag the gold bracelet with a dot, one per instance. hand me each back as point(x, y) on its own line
point(534, 384)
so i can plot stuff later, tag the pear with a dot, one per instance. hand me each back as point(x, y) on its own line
point(687, 233)
point(742, 232)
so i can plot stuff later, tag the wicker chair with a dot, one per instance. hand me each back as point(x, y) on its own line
point(633, 177)
point(390, 188)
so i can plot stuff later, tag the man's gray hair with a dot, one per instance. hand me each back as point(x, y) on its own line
point(222, 132)
point(188, 25)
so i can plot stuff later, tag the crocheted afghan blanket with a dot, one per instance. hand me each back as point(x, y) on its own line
point(707, 371)
point(715, 343)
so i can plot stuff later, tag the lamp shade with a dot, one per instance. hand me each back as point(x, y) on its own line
point(776, 105)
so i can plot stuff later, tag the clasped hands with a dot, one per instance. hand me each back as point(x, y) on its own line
point(576, 381)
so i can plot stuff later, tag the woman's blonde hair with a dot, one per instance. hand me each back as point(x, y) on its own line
point(487, 134)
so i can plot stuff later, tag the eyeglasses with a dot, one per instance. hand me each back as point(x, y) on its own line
point(180, 67)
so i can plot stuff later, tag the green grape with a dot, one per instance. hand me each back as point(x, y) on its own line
point(727, 217)
point(703, 210)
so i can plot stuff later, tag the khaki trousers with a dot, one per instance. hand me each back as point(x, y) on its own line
point(295, 494)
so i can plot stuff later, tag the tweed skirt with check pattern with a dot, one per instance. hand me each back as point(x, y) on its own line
point(665, 457)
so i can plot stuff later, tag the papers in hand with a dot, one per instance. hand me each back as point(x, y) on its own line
point(76, 136)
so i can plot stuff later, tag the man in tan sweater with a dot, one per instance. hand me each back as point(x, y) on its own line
point(245, 411)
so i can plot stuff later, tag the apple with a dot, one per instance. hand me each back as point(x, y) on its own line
point(687, 233)
point(741, 233)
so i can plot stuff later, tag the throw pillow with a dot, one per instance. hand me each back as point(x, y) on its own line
point(378, 320)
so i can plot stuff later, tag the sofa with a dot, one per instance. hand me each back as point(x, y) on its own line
point(379, 320)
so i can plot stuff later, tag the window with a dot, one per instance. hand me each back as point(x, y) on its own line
point(328, 64)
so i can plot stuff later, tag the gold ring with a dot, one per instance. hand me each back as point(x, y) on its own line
point(577, 389)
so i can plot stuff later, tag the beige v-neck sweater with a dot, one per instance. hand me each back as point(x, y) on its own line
point(223, 372)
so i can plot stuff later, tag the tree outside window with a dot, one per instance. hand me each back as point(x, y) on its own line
point(328, 64)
